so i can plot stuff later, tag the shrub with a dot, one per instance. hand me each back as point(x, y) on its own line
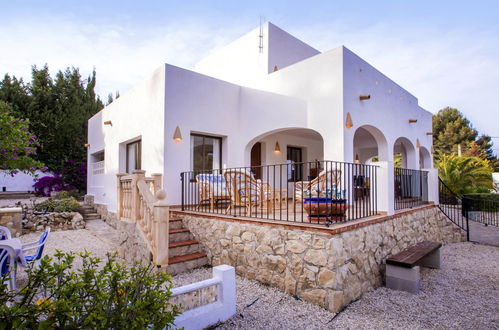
point(58, 205)
point(90, 297)
point(46, 184)
point(68, 194)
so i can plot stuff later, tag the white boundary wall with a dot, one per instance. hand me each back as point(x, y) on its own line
point(224, 277)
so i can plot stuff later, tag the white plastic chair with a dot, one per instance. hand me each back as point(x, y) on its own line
point(8, 265)
point(5, 233)
point(39, 245)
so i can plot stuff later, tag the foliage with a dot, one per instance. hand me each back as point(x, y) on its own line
point(74, 174)
point(46, 184)
point(451, 128)
point(68, 194)
point(464, 174)
point(58, 205)
point(58, 110)
point(93, 296)
point(484, 196)
point(17, 144)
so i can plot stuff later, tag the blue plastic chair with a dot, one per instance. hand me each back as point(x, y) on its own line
point(38, 245)
point(7, 265)
point(4, 233)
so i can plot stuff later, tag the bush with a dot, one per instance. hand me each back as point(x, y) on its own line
point(68, 194)
point(91, 297)
point(46, 184)
point(481, 202)
point(58, 205)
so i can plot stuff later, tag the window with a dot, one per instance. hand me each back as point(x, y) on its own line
point(133, 156)
point(206, 152)
point(295, 167)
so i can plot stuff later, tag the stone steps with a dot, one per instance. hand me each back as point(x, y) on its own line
point(89, 213)
point(185, 253)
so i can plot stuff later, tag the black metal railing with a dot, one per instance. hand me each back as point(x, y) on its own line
point(485, 211)
point(451, 205)
point(410, 188)
point(309, 192)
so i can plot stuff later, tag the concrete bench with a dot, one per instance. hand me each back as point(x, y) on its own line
point(402, 269)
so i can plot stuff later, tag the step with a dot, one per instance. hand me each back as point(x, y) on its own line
point(91, 216)
point(178, 235)
point(176, 223)
point(184, 247)
point(184, 263)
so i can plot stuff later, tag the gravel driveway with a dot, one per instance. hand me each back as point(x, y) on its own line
point(463, 294)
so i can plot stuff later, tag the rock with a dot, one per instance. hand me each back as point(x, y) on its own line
point(316, 257)
point(326, 278)
point(315, 296)
point(233, 230)
point(248, 237)
point(296, 246)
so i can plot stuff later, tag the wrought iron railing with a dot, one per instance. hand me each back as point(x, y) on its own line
point(451, 205)
point(309, 192)
point(410, 188)
point(485, 211)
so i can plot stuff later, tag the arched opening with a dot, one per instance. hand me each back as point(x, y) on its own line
point(369, 145)
point(404, 154)
point(424, 158)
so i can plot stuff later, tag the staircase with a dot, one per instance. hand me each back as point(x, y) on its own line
point(184, 252)
point(89, 213)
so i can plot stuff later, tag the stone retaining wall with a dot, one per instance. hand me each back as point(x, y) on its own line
point(329, 269)
point(54, 220)
point(11, 217)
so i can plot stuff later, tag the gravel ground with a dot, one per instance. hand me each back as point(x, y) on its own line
point(463, 294)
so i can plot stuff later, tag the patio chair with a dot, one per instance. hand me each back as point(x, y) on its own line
point(212, 188)
point(5, 233)
point(324, 185)
point(7, 265)
point(38, 245)
point(245, 190)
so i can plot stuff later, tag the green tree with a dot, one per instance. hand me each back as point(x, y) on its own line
point(17, 144)
point(451, 128)
point(58, 110)
point(463, 174)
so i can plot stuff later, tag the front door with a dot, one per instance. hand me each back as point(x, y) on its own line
point(256, 160)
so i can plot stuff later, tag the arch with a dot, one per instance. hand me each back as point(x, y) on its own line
point(425, 160)
point(406, 149)
point(309, 139)
point(369, 142)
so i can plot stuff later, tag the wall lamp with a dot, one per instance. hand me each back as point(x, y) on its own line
point(108, 122)
point(86, 145)
point(412, 121)
point(277, 148)
point(348, 121)
point(357, 160)
point(177, 136)
point(429, 133)
point(364, 97)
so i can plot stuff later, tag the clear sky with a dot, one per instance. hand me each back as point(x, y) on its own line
point(443, 52)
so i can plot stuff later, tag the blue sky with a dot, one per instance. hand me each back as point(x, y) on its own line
point(443, 52)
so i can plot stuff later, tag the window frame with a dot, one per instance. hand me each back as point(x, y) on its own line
point(299, 168)
point(204, 136)
point(138, 160)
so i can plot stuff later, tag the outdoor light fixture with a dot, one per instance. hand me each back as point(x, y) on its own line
point(276, 68)
point(411, 121)
point(348, 122)
point(418, 145)
point(108, 122)
point(277, 149)
point(86, 145)
point(177, 136)
point(357, 160)
point(429, 133)
point(364, 97)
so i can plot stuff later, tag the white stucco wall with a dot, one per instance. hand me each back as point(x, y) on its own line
point(137, 114)
point(389, 108)
point(20, 181)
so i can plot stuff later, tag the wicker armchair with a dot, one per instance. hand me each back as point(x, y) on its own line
point(212, 189)
point(326, 183)
point(245, 190)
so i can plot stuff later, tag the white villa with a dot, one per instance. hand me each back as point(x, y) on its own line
point(267, 98)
